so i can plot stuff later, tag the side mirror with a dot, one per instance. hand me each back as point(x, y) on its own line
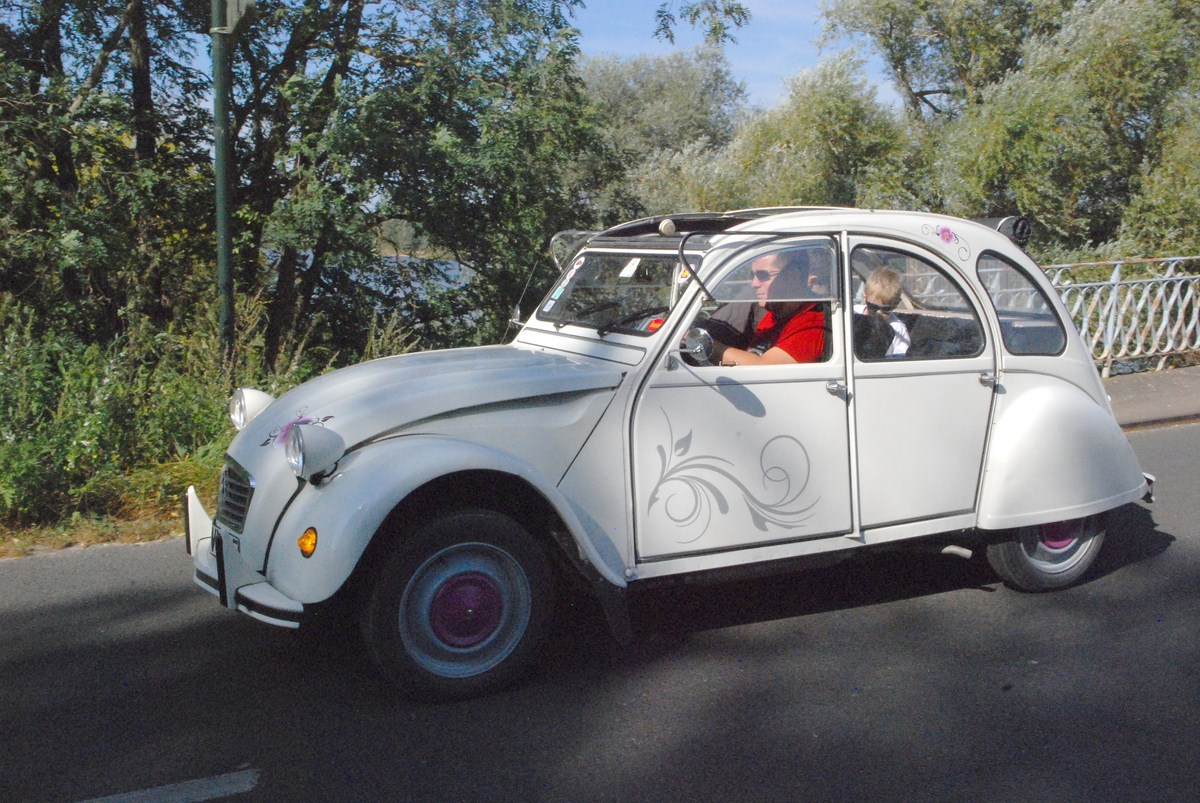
point(698, 346)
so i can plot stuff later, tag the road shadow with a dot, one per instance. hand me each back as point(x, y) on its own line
point(1132, 537)
point(664, 616)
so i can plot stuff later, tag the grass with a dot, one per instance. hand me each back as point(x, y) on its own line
point(148, 504)
point(84, 531)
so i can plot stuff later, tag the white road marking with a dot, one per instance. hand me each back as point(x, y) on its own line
point(218, 786)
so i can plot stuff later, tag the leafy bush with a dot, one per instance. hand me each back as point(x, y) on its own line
point(124, 428)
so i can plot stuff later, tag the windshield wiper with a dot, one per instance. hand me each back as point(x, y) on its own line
point(575, 316)
point(628, 319)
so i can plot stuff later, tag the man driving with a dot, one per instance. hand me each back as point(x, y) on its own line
point(793, 328)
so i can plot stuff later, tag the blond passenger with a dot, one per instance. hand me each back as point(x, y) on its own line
point(881, 294)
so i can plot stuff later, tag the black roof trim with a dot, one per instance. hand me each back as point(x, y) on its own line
point(703, 222)
point(694, 223)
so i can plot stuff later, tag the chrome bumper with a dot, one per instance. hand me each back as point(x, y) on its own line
point(221, 571)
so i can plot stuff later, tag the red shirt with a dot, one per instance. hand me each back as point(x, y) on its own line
point(802, 336)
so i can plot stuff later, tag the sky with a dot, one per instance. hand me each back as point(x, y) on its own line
point(781, 40)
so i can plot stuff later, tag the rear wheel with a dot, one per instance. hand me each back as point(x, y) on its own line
point(462, 607)
point(1047, 557)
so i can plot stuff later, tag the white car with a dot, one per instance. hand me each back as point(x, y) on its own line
point(647, 425)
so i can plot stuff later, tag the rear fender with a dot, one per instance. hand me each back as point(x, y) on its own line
point(349, 507)
point(1055, 454)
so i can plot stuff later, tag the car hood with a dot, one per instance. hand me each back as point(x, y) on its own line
point(392, 394)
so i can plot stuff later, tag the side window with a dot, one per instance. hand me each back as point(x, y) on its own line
point(907, 308)
point(777, 299)
point(1028, 322)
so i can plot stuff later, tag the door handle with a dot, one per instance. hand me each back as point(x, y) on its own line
point(836, 388)
point(988, 379)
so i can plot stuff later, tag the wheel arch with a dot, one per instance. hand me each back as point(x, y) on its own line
point(507, 494)
point(487, 489)
point(407, 476)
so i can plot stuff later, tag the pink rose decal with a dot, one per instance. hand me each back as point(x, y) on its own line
point(278, 435)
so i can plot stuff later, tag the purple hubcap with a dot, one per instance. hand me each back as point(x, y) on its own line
point(1056, 536)
point(466, 609)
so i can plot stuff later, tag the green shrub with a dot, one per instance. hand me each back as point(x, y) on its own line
point(124, 428)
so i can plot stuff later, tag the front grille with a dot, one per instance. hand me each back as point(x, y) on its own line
point(237, 488)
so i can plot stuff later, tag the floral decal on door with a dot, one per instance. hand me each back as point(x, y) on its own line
point(693, 488)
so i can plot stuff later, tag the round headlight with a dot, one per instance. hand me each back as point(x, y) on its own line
point(245, 404)
point(293, 450)
point(312, 451)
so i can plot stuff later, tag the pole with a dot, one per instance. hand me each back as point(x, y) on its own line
point(221, 80)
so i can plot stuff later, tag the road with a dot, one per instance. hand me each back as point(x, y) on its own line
point(900, 677)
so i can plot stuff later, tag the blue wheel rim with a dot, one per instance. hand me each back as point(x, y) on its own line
point(465, 610)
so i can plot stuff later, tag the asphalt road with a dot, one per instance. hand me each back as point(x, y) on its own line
point(900, 677)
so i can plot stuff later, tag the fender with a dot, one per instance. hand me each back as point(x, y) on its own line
point(1055, 454)
point(348, 508)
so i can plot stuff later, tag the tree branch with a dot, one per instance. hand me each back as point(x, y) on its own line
point(98, 66)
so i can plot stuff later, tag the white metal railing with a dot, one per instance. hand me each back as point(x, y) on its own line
point(1147, 309)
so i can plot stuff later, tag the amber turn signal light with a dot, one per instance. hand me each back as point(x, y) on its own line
point(307, 542)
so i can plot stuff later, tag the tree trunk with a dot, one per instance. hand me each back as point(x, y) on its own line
point(151, 294)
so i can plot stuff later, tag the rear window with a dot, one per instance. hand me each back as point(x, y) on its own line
point(1028, 323)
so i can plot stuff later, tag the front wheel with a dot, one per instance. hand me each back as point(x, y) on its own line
point(461, 607)
point(1047, 557)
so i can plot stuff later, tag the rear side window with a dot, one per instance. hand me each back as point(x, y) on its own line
point(1028, 322)
point(906, 308)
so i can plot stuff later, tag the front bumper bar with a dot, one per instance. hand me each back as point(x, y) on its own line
point(221, 571)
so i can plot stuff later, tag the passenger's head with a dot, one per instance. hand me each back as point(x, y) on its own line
point(820, 274)
point(882, 291)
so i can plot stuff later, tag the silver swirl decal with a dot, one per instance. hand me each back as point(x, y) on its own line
point(691, 487)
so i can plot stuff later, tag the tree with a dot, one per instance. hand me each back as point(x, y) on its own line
point(91, 224)
point(1066, 138)
point(1164, 217)
point(944, 53)
point(814, 149)
point(445, 115)
point(715, 17)
point(649, 110)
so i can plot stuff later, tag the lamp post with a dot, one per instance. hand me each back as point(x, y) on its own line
point(226, 14)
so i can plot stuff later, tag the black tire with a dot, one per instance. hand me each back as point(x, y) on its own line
point(461, 607)
point(1048, 557)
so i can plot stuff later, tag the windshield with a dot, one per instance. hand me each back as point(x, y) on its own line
point(629, 293)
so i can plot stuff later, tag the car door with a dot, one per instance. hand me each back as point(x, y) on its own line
point(921, 417)
point(728, 458)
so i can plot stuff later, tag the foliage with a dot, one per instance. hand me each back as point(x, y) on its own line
point(815, 149)
point(653, 111)
point(714, 17)
point(73, 151)
point(944, 53)
point(76, 417)
point(1066, 138)
point(1163, 217)
point(451, 116)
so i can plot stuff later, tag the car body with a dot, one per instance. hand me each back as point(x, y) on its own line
point(446, 494)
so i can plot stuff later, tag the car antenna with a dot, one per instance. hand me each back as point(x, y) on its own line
point(567, 242)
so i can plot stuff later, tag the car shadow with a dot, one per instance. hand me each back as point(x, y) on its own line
point(1132, 537)
point(664, 616)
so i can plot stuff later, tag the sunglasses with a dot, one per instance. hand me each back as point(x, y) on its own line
point(765, 276)
point(873, 307)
